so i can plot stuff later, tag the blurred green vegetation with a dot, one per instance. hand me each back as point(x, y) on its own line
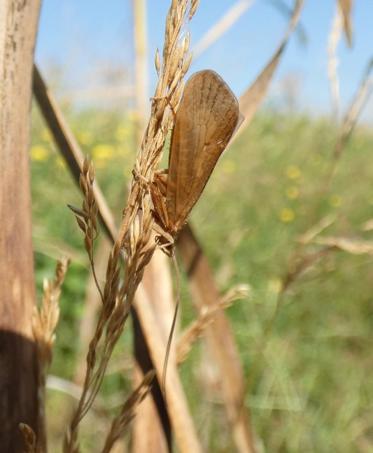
point(309, 377)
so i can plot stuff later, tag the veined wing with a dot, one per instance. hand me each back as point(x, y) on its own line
point(205, 121)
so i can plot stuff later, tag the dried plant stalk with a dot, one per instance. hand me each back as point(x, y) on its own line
point(127, 412)
point(316, 229)
point(353, 112)
point(205, 318)
point(220, 339)
point(354, 246)
point(44, 322)
point(135, 239)
point(333, 40)
point(182, 423)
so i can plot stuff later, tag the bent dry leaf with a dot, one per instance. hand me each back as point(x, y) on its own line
point(355, 246)
point(205, 121)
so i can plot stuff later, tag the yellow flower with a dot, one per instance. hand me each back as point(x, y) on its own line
point(275, 285)
point(293, 172)
point(228, 166)
point(335, 201)
point(39, 153)
point(103, 152)
point(287, 215)
point(292, 192)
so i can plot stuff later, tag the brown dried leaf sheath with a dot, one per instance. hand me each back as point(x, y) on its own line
point(205, 121)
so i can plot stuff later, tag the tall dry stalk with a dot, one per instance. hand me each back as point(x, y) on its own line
point(333, 40)
point(135, 240)
point(141, 67)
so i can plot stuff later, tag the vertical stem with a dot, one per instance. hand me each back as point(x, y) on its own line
point(18, 362)
point(141, 67)
point(152, 430)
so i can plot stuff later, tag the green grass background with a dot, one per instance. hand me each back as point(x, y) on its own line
point(309, 379)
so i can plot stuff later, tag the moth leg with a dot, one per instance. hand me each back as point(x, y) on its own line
point(164, 240)
point(158, 190)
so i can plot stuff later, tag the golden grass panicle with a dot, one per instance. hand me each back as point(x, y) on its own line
point(45, 318)
point(86, 217)
point(44, 323)
point(135, 240)
point(205, 318)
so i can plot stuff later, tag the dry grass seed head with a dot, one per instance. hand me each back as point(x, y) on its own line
point(135, 234)
point(29, 438)
point(45, 318)
point(205, 318)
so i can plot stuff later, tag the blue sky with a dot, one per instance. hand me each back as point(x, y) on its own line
point(87, 37)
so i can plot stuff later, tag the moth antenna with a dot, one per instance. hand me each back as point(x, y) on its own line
point(173, 325)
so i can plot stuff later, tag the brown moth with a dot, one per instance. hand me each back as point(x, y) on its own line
point(207, 116)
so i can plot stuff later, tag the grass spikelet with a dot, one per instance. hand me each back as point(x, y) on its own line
point(45, 319)
point(87, 216)
point(44, 323)
point(205, 318)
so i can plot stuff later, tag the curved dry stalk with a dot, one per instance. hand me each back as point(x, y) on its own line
point(206, 317)
point(135, 239)
point(357, 105)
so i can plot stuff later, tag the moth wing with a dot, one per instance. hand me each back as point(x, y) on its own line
point(205, 121)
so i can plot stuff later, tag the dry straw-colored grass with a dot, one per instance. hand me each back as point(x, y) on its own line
point(44, 323)
point(205, 318)
point(135, 240)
